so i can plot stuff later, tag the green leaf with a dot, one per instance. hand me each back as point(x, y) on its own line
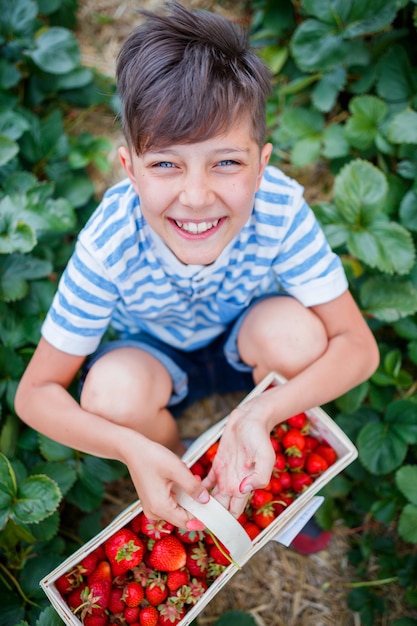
point(388, 300)
point(407, 524)
point(325, 92)
point(380, 448)
point(367, 116)
point(359, 192)
point(9, 75)
point(60, 472)
point(387, 246)
point(16, 270)
point(396, 82)
point(401, 414)
point(15, 235)
point(316, 46)
point(12, 124)
point(88, 491)
point(37, 498)
point(306, 151)
point(352, 400)
point(335, 145)
point(406, 481)
point(235, 618)
point(17, 17)
point(56, 51)
point(407, 212)
point(8, 149)
point(53, 451)
point(403, 127)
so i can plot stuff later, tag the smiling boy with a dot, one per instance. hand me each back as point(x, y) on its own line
point(211, 268)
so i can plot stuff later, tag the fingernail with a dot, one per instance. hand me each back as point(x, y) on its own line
point(194, 524)
point(204, 497)
point(246, 488)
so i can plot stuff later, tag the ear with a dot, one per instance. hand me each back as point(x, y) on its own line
point(127, 164)
point(263, 162)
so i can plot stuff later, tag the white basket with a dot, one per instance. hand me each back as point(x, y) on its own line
point(217, 519)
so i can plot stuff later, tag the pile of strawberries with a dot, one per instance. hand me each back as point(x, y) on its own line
point(149, 573)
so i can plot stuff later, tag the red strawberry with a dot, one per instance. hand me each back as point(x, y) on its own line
point(177, 579)
point(198, 469)
point(275, 485)
point(168, 554)
point(157, 591)
point(275, 444)
point(310, 443)
point(300, 481)
point(155, 529)
point(264, 515)
point(218, 557)
point(133, 593)
point(197, 559)
point(285, 479)
point(101, 619)
point(148, 616)
point(191, 593)
point(116, 603)
point(124, 550)
point(77, 597)
point(260, 497)
point(297, 421)
point(280, 463)
point(327, 453)
point(252, 529)
point(171, 613)
point(296, 459)
point(293, 440)
point(99, 584)
point(316, 464)
point(131, 614)
point(88, 564)
point(67, 582)
point(189, 536)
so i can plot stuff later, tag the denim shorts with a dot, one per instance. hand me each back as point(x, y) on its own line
point(215, 368)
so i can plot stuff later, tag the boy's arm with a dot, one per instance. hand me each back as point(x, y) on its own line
point(245, 451)
point(43, 402)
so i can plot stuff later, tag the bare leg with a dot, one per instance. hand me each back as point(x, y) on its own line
point(131, 387)
point(280, 334)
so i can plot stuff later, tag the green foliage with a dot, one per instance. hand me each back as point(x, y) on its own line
point(345, 97)
point(46, 194)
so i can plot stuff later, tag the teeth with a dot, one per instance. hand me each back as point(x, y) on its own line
point(196, 228)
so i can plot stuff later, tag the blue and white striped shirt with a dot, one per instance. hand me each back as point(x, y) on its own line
point(121, 274)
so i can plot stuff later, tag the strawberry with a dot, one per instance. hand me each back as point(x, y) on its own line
point(101, 619)
point(148, 616)
point(77, 597)
point(171, 613)
point(177, 579)
point(211, 452)
point(99, 584)
point(275, 485)
point(275, 444)
point(116, 603)
point(131, 614)
point(124, 550)
point(296, 459)
point(198, 469)
point(293, 441)
point(260, 497)
point(218, 557)
point(264, 515)
point(310, 443)
point(280, 463)
point(155, 529)
point(189, 536)
point(298, 421)
point(252, 529)
point(67, 582)
point(191, 593)
point(327, 453)
point(285, 479)
point(197, 559)
point(300, 481)
point(157, 591)
point(88, 564)
point(168, 554)
point(316, 464)
point(133, 593)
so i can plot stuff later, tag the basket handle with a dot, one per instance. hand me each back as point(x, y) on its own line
point(221, 523)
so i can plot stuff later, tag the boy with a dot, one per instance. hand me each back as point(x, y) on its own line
point(211, 268)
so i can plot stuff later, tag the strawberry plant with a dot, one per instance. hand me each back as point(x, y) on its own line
point(344, 103)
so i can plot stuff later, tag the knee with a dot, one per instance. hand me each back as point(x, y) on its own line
point(126, 387)
point(282, 335)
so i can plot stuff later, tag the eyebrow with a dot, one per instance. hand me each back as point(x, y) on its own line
point(229, 150)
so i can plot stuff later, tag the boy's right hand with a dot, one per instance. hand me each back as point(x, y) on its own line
point(155, 472)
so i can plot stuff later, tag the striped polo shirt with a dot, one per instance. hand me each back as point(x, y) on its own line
point(122, 274)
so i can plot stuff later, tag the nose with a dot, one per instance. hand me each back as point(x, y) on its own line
point(197, 191)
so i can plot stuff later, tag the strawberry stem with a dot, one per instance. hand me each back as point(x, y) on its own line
point(220, 547)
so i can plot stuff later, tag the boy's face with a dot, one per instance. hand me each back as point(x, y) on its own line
point(198, 196)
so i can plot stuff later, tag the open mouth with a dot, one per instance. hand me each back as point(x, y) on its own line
point(196, 228)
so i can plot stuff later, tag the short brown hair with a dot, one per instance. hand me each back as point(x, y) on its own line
point(185, 76)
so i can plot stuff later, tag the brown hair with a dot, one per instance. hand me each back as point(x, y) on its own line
point(187, 75)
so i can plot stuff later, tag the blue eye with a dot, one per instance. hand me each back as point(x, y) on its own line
point(227, 162)
point(166, 164)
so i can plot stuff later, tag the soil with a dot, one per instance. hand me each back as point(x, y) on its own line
point(278, 586)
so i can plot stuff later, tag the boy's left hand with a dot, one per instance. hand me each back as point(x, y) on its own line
point(244, 459)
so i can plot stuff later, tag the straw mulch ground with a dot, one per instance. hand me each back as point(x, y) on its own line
point(278, 587)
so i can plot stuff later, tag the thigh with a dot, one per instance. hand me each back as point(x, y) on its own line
point(126, 385)
point(280, 334)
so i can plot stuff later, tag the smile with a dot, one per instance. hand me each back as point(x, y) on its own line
point(196, 228)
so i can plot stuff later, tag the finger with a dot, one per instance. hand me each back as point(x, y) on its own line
point(237, 505)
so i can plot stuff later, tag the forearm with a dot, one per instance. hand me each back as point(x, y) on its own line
point(50, 409)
